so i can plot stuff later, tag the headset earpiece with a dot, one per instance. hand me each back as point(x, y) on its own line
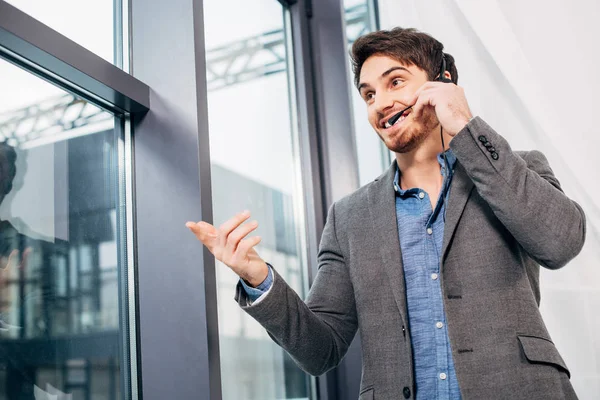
point(442, 76)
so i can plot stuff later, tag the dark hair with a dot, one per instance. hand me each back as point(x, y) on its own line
point(407, 45)
point(8, 168)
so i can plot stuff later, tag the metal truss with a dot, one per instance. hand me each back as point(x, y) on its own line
point(231, 64)
point(50, 117)
point(265, 54)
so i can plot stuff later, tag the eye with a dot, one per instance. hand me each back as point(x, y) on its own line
point(396, 82)
point(369, 96)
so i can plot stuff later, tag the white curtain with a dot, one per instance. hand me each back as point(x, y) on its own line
point(532, 71)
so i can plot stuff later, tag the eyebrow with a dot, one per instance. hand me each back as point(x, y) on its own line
point(386, 73)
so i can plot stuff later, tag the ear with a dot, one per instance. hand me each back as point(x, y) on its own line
point(447, 75)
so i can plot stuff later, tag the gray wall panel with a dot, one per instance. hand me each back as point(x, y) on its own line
point(327, 140)
point(340, 165)
point(338, 160)
point(176, 295)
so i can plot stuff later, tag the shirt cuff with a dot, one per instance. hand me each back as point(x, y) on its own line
point(254, 294)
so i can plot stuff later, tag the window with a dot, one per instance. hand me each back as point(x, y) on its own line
point(96, 25)
point(255, 167)
point(61, 244)
point(373, 156)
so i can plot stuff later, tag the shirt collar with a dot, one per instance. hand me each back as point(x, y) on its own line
point(450, 157)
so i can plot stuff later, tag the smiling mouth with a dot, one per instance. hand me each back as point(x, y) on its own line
point(399, 117)
point(397, 121)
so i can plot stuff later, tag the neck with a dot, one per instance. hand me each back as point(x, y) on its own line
point(420, 167)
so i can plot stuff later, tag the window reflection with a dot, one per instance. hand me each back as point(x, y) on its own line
point(59, 255)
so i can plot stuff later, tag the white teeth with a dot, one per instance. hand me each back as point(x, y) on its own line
point(387, 123)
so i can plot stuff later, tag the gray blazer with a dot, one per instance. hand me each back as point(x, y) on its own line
point(506, 216)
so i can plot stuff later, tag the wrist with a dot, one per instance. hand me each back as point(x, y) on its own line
point(254, 279)
point(460, 124)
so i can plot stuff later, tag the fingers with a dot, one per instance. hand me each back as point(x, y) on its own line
point(25, 257)
point(234, 238)
point(425, 86)
point(12, 258)
point(230, 225)
point(204, 231)
point(4, 262)
point(223, 242)
point(244, 247)
point(425, 99)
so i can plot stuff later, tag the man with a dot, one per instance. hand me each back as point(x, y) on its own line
point(437, 260)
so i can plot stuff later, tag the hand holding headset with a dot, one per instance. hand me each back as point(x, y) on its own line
point(441, 78)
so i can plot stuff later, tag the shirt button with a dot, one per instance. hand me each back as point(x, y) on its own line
point(429, 231)
point(443, 376)
point(434, 276)
point(439, 325)
point(421, 195)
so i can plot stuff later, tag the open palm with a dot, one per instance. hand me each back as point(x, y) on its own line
point(230, 245)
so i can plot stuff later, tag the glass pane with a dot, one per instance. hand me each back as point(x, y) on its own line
point(373, 156)
point(89, 23)
point(254, 167)
point(60, 329)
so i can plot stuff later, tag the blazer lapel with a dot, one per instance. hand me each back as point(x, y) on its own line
point(382, 205)
point(460, 189)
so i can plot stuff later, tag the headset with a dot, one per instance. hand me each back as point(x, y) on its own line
point(442, 78)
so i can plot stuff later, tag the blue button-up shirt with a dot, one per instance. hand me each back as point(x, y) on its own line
point(421, 233)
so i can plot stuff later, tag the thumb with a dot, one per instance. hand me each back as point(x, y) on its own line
point(203, 230)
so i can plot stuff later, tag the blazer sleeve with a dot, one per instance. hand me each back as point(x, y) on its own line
point(523, 193)
point(315, 333)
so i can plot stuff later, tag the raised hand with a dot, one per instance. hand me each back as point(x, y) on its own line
point(449, 102)
point(230, 245)
point(12, 261)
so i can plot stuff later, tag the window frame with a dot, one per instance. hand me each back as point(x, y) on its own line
point(43, 52)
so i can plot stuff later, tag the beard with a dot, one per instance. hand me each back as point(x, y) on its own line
point(413, 135)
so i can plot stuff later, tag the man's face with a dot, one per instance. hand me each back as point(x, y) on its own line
point(387, 87)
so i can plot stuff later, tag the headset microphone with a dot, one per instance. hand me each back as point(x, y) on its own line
point(395, 118)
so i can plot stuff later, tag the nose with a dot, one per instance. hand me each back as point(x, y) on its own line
point(383, 102)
